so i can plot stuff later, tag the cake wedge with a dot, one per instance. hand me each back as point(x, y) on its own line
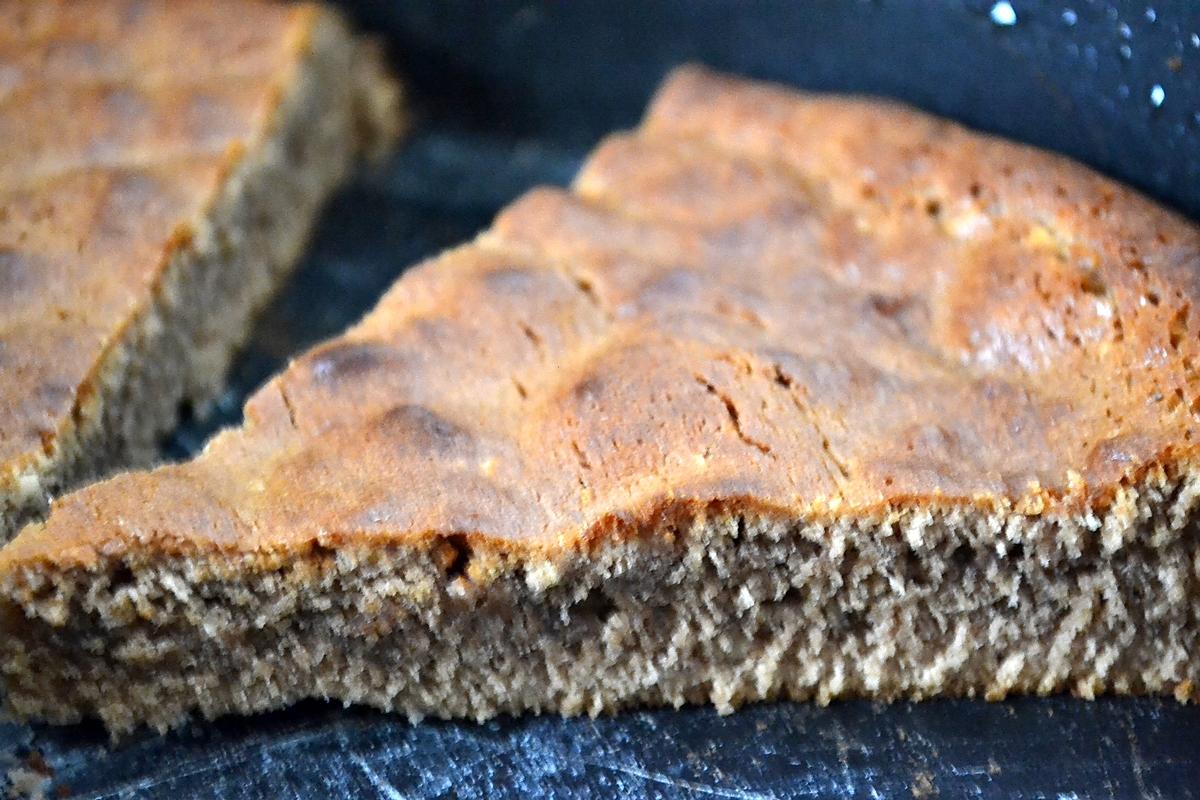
point(161, 165)
point(789, 396)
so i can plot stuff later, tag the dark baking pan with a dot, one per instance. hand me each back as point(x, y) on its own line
point(514, 93)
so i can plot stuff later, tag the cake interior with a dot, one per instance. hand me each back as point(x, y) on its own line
point(715, 603)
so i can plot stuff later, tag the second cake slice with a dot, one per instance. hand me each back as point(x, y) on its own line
point(161, 165)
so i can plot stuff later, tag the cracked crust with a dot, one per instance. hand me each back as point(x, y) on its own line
point(830, 319)
point(828, 305)
point(137, 230)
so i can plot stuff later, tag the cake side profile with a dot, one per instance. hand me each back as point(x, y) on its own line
point(790, 396)
point(161, 165)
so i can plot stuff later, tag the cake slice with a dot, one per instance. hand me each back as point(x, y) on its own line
point(790, 396)
point(161, 164)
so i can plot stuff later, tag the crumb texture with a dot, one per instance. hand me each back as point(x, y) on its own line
point(789, 395)
point(714, 608)
point(160, 165)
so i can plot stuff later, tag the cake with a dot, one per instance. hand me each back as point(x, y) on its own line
point(789, 396)
point(161, 165)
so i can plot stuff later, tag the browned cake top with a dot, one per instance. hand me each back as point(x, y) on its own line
point(118, 121)
point(815, 305)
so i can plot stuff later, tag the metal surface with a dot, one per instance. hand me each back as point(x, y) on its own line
point(513, 94)
point(1058, 748)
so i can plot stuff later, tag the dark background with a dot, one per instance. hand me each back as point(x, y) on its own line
point(510, 94)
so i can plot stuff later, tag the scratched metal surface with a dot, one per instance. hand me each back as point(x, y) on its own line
point(1056, 748)
point(514, 93)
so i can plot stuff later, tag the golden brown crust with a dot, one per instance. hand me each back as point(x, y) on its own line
point(118, 122)
point(822, 306)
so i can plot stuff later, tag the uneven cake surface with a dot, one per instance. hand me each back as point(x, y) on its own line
point(135, 139)
point(788, 395)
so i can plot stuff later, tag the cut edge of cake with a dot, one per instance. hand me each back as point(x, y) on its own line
point(680, 602)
